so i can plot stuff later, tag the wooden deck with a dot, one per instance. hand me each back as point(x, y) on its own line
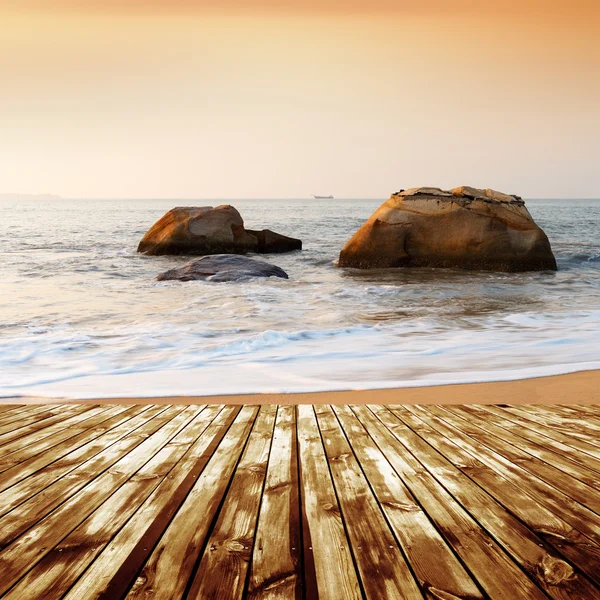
point(332, 502)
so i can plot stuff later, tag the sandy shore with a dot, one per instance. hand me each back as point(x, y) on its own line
point(574, 388)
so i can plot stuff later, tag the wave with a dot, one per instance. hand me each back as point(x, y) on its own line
point(577, 260)
point(143, 351)
point(236, 361)
point(219, 382)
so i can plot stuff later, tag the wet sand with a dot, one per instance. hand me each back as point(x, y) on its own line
point(573, 388)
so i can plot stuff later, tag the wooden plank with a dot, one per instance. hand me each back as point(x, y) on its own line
point(39, 481)
point(380, 562)
point(330, 573)
point(57, 419)
point(31, 547)
point(114, 570)
point(584, 409)
point(577, 412)
point(72, 415)
point(46, 453)
point(499, 497)
point(59, 569)
point(33, 444)
point(547, 487)
point(575, 448)
point(473, 506)
point(183, 541)
point(552, 425)
point(497, 574)
point(17, 424)
point(438, 570)
point(26, 514)
point(537, 558)
point(543, 447)
point(584, 427)
point(224, 564)
point(276, 568)
point(568, 416)
point(20, 412)
point(24, 428)
point(520, 450)
point(551, 514)
point(6, 409)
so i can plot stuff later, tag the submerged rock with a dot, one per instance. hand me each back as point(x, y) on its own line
point(465, 228)
point(206, 230)
point(223, 267)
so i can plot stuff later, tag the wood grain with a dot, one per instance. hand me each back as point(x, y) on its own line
point(114, 570)
point(223, 567)
point(329, 564)
point(183, 540)
point(276, 572)
point(381, 564)
point(299, 502)
point(436, 567)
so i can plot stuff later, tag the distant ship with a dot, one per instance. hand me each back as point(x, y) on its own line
point(322, 197)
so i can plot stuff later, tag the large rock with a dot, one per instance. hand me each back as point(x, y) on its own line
point(465, 228)
point(223, 267)
point(207, 230)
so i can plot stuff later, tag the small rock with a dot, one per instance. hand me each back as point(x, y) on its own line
point(223, 267)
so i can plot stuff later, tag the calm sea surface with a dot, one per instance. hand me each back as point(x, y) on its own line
point(81, 314)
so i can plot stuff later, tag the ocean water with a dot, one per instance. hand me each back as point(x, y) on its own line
point(82, 316)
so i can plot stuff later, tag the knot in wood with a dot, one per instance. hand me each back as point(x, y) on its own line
point(235, 546)
point(330, 507)
point(258, 469)
point(555, 571)
point(341, 457)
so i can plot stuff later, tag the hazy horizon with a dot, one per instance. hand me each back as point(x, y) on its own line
point(204, 99)
point(50, 197)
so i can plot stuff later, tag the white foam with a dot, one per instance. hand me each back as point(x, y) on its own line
point(252, 379)
point(418, 352)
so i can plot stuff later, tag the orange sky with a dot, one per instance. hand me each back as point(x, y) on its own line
point(203, 99)
point(429, 7)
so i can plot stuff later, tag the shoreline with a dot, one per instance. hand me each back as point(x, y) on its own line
point(581, 387)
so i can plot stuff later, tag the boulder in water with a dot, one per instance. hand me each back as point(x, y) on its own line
point(464, 228)
point(270, 242)
point(223, 267)
point(206, 230)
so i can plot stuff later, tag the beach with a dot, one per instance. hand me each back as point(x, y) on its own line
point(300, 300)
point(573, 388)
point(392, 433)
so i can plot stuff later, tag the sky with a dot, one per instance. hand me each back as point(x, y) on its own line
point(276, 98)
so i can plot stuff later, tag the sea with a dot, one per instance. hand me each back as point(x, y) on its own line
point(82, 315)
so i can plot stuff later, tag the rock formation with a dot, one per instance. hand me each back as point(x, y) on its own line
point(207, 230)
point(223, 267)
point(465, 228)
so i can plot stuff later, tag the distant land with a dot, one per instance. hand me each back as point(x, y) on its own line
point(29, 197)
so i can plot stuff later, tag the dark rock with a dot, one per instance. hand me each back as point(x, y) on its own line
point(270, 242)
point(223, 267)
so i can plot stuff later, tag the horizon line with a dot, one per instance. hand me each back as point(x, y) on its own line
point(226, 199)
